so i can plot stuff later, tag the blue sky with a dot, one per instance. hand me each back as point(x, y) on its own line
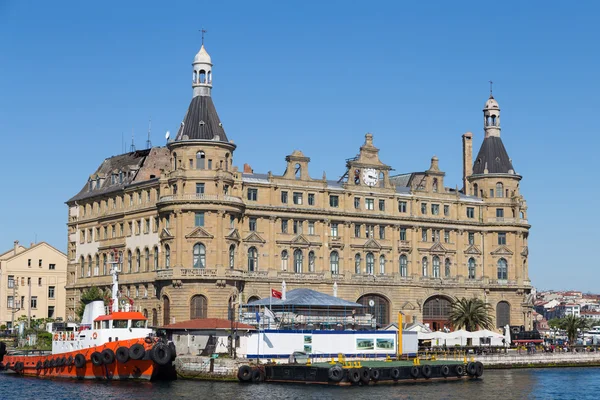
point(316, 76)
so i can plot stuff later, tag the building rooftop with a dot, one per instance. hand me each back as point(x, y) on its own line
point(207, 324)
point(305, 298)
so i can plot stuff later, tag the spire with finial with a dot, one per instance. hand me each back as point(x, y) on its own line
point(202, 71)
point(491, 116)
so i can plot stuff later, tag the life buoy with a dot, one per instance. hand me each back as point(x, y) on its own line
point(94, 335)
point(56, 336)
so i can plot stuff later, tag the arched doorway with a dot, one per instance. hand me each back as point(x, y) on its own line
point(198, 307)
point(253, 298)
point(166, 310)
point(154, 317)
point(436, 311)
point(502, 314)
point(379, 307)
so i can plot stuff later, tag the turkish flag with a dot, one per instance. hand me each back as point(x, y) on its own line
point(275, 293)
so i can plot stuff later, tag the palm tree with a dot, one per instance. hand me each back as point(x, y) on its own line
point(470, 314)
point(571, 324)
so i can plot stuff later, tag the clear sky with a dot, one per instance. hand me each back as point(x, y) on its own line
point(75, 77)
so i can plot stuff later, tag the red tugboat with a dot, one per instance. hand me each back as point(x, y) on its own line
point(108, 344)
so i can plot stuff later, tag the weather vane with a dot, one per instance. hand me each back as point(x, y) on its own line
point(203, 32)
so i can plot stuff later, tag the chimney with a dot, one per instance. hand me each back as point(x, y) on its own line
point(248, 169)
point(16, 247)
point(467, 142)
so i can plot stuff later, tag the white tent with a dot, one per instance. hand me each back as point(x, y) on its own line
point(459, 338)
point(437, 338)
point(487, 337)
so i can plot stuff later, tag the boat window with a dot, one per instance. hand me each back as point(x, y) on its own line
point(120, 323)
point(138, 323)
point(105, 324)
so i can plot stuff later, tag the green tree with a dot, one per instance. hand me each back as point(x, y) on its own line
point(572, 324)
point(92, 294)
point(470, 314)
point(554, 323)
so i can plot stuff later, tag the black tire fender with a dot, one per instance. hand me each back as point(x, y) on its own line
point(173, 351)
point(354, 375)
point(96, 358)
point(460, 370)
point(39, 365)
point(426, 371)
point(414, 371)
point(375, 374)
point(395, 374)
point(244, 373)
point(161, 354)
point(335, 373)
point(478, 369)
point(70, 361)
point(471, 369)
point(122, 354)
point(445, 370)
point(137, 352)
point(79, 361)
point(257, 376)
point(365, 375)
point(108, 356)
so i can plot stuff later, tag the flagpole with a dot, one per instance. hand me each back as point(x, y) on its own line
point(270, 303)
point(258, 341)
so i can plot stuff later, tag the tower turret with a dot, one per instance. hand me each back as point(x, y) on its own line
point(202, 73)
point(491, 117)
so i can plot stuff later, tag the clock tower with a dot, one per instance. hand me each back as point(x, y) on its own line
point(366, 169)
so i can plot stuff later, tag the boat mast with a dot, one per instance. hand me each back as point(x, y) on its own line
point(115, 287)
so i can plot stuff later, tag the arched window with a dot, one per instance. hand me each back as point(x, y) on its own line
point(202, 75)
point(425, 265)
point(155, 258)
point(200, 159)
point(378, 306)
point(199, 256)
point(436, 312)
point(403, 265)
point(104, 262)
point(154, 317)
point(129, 257)
point(382, 265)
point(370, 264)
point(472, 266)
point(167, 256)
point(198, 307)
point(82, 265)
point(475, 190)
point(357, 264)
point(252, 259)
point(502, 314)
point(284, 260)
point(146, 259)
point(502, 269)
point(447, 265)
point(311, 261)
point(253, 298)
point(232, 256)
point(145, 312)
point(436, 267)
point(381, 179)
point(298, 260)
point(175, 160)
point(195, 76)
point(499, 189)
point(435, 185)
point(209, 76)
point(166, 310)
point(334, 262)
point(137, 260)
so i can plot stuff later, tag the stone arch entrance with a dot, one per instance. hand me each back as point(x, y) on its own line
point(379, 307)
point(502, 314)
point(436, 312)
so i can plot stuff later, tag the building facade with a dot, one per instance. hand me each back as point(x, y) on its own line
point(32, 283)
point(194, 235)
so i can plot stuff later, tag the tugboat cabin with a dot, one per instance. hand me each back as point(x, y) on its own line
point(121, 320)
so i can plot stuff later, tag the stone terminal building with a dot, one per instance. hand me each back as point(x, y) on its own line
point(194, 235)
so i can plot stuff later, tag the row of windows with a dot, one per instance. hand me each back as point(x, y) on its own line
point(141, 197)
point(142, 264)
point(40, 263)
point(22, 305)
point(203, 163)
point(14, 281)
point(498, 192)
point(144, 225)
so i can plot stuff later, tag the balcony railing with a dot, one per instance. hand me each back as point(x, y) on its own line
point(306, 276)
point(201, 197)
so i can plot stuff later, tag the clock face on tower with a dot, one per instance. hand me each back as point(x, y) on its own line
point(370, 176)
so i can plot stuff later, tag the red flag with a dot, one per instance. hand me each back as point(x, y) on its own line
point(275, 293)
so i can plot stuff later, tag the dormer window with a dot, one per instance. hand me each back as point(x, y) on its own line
point(120, 176)
point(90, 185)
